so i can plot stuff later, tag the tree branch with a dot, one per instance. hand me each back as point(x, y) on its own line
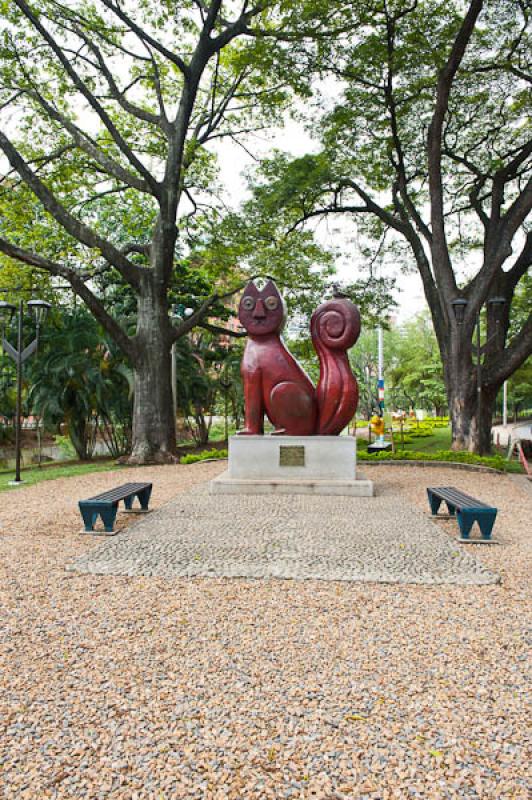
point(145, 37)
point(89, 96)
point(83, 142)
point(87, 236)
point(511, 358)
point(223, 331)
point(441, 258)
point(79, 286)
point(521, 266)
point(196, 319)
point(116, 93)
point(399, 162)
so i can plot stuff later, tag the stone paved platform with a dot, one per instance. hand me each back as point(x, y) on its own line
point(380, 539)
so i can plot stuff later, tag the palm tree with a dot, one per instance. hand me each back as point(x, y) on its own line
point(79, 381)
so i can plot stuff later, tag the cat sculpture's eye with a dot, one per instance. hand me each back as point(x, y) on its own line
point(271, 303)
point(248, 303)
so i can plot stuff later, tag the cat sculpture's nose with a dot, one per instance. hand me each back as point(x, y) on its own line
point(258, 311)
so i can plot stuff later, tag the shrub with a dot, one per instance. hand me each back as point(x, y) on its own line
point(7, 435)
point(461, 457)
point(206, 455)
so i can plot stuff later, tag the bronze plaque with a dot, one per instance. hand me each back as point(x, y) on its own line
point(291, 456)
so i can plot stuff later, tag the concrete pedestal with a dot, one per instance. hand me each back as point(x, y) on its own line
point(292, 465)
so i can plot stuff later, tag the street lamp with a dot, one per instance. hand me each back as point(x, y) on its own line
point(459, 306)
point(226, 383)
point(179, 313)
point(39, 309)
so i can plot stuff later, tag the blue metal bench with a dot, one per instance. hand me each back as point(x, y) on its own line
point(106, 504)
point(466, 509)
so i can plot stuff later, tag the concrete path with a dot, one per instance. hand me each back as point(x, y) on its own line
point(382, 539)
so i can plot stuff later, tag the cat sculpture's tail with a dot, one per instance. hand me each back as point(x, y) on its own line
point(335, 327)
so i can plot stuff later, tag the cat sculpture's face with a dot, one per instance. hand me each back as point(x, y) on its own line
point(262, 311)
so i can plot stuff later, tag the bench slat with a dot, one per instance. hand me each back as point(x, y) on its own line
point(458, 498)
point(120, 493)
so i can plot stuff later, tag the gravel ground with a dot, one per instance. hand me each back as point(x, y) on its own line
point(377, 539)
point(144, 687)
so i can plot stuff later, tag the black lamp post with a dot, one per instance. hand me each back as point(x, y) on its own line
point(459, 308)
point(40, 309)
point(226, 384)
point(179, 313)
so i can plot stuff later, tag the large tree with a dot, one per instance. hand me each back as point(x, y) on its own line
point(427, 145)
point(109, 109)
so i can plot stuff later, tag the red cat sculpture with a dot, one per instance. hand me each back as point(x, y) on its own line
point(276, 385)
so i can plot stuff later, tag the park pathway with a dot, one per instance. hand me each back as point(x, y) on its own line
point(382, 539)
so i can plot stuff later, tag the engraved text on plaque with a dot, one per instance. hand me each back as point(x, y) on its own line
point(291, 456)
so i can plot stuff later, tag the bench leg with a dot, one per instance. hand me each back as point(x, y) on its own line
point(89, 518)
point(465, 521)
point(108, 516)
point(486, 523)
point(450, 508)
point(128, 502)
point(144, 497)
point(435, 502)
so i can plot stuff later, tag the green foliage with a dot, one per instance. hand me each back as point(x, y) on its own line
point(206, 365)
point(415, 374)
point(519, 389)
point(7, 435)
point(206, 455)
point(80, 379)
point(65, 445)
point(246, 87)
point(458, 457)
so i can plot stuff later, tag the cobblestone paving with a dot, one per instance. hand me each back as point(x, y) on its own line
point(381, 539)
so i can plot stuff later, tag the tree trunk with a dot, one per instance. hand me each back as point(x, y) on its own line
point(467, 433)
point(480, 437)
point(154, 431)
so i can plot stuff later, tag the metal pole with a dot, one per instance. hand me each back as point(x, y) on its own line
point(505, 403)
point(380, 384)
point(18, 411)
point(479, 383)
point(174, 381)
point(226, 422)
point(380, 353)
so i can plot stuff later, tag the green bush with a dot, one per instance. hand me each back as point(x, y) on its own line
point(405, 439)
point(66, 447)
point(7, 435)
point(461, 457)
point(206, 455)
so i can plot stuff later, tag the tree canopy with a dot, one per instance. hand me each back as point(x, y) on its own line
point(427, 144)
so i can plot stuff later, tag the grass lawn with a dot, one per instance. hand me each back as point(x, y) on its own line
point(440, 440)
point(34, 474)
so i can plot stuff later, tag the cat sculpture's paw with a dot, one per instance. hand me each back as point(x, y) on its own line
point(278, 432)
point(249, 432)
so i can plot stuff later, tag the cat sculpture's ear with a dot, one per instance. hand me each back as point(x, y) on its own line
point(270, 290)
point(251, 289)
